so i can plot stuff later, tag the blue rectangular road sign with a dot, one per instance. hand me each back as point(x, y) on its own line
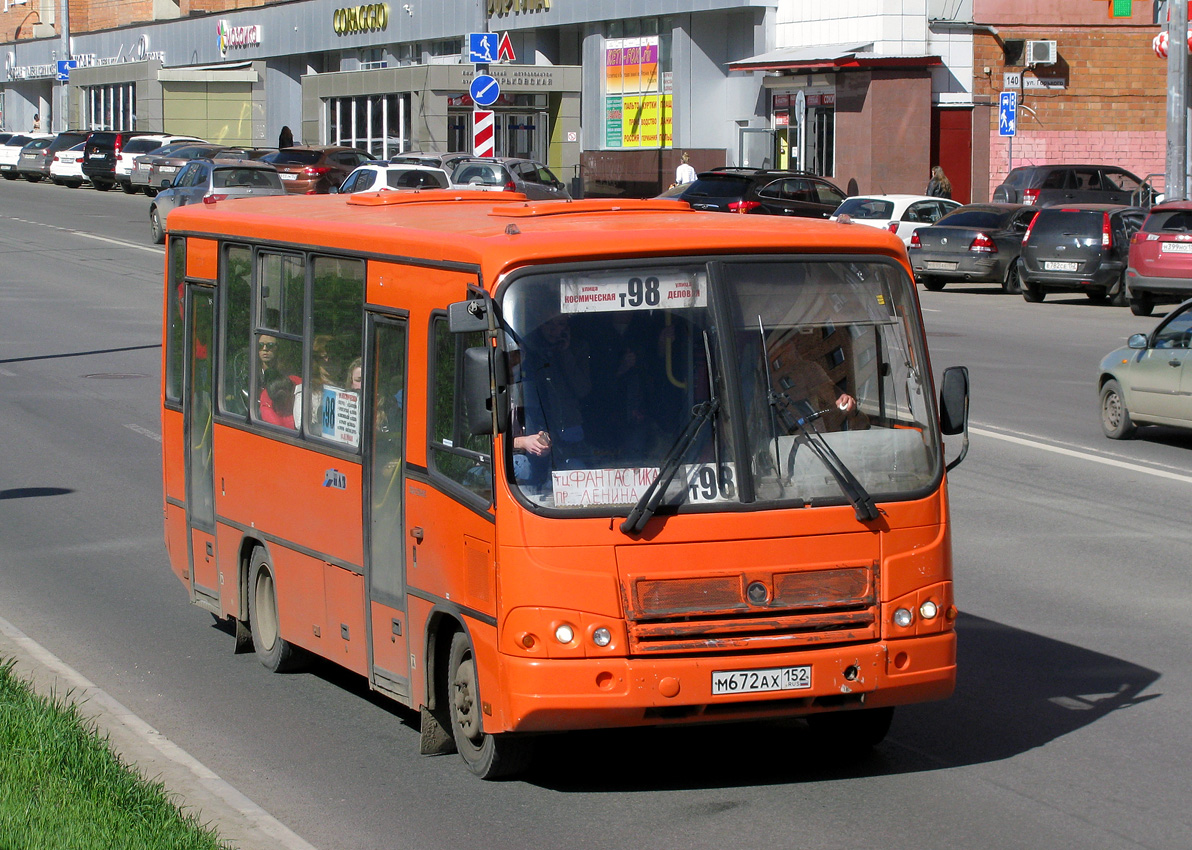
point(1007, 114)
point(483, 47)
point(65, 66)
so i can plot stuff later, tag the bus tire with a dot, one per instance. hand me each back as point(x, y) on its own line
point(487, 756)
point(856, 731)
point(276, 653)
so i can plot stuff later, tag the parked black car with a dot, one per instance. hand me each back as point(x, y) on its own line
point(1082, 248)
point(764, 191)
point(101, 153)
point(977, 243)
point(1044, 185)
point(34, 161)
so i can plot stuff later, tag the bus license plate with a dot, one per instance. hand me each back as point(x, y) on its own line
point(941, 267)
point(760, 681)
point(1060, 267)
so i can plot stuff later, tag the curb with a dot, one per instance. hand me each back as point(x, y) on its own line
point(239, 821)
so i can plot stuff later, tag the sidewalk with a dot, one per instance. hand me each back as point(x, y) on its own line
point(239, 821)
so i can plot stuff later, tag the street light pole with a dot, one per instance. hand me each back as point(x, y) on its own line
point(1176, 184)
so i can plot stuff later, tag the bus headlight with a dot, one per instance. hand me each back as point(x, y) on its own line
point(602, 636)
point(903, 617)
point(564, 633)
point(928, 610)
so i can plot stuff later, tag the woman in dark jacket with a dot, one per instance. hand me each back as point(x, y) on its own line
point(939, 185)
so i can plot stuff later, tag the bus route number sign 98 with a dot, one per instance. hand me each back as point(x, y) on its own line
point(761, 681)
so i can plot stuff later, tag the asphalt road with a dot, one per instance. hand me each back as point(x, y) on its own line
point(1068, 728)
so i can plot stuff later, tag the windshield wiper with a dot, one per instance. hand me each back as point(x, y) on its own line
point(854, 490)
point(648, 503)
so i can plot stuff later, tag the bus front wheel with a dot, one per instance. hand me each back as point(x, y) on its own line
point(856, 731)
point(487, 756)
point(276, 653)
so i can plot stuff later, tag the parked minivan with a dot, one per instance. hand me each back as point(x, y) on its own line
point(1078, 247)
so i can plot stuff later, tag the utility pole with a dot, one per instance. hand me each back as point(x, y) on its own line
point(1176, 185)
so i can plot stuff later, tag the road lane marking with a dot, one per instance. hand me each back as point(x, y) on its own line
point(153, 249)
point(1084, 454)
point(91, 698)
point(145, 432)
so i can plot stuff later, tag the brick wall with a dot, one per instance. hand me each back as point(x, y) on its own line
point(209, 6)
point(1112, 109)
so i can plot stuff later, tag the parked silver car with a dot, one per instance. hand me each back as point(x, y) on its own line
point(206, 179)
point(509, 174)
point(1146, 383)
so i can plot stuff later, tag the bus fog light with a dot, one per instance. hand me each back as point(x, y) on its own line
point(928, 610)
point(564, 633)
point(903, 617)
point(602, 637)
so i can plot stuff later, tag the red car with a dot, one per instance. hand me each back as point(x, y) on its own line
point(1160, 265)
point(314, 170)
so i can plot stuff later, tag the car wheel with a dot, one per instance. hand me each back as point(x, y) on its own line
point(101, 185)
point(1032, 292)
point(150, 191)
point(73, 184)
point(159, 233)
point(10, 175)
point(33, 178)
point(1097, 294)
point(1115, 417)
point(128, 188)
point(933, 283)
point(1012, 284)
point(1142, 304)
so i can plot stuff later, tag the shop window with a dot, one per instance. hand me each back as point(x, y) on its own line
point(375, 123)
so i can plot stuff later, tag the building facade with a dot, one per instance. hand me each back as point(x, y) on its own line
point(610, 93)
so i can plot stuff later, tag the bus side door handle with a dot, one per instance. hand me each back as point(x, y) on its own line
point(416, 533)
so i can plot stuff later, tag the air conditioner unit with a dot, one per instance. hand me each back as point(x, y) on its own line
point(1040, 53)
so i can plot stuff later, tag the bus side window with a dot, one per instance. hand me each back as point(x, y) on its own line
point(280, 298)
point(236, 359)
point(457, 454)
point(337, 341)
point(174, 315)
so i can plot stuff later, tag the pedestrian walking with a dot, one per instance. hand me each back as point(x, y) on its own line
point(685, 173)
point(939, 186)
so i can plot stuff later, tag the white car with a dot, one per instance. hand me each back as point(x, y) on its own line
point(135, 147)
point(66, 168)
point(899, 214)
point(10, 152)
point(378, 176)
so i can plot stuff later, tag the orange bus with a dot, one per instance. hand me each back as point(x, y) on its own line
point(532, 467)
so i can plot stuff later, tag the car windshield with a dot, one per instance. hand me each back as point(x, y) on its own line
point(291, 156)
point(246, 178)
point(612, 369)
point(984, 219)
point(719, 185)
point(416, 179)
point(1168, 221)
point(141, 145)
point(866, 208)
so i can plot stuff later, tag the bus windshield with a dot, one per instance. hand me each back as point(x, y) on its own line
point(749, 376)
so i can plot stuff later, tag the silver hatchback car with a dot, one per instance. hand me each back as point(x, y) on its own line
point(214, 179)
point(1146, 383)
point(509, 174)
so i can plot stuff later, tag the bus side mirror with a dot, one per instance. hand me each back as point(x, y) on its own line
point(954, 406)
point(467, 316)
point(485, 385)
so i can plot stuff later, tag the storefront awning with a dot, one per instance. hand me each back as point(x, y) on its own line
point(827, 57)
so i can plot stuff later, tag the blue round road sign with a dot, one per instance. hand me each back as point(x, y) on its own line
point(484, 90)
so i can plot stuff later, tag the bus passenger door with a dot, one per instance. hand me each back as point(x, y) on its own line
point(197, 410)
point(384, 507)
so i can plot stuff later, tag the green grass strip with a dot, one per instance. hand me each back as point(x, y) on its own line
point(62, 787)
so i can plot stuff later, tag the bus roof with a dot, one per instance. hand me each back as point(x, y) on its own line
point(503, 232)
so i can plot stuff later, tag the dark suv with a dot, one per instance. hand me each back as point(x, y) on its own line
point(1044, 185)
point(1082, 248)
point(761, 190)
point(101, 153)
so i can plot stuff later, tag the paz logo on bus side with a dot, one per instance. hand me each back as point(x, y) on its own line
point(334, 478)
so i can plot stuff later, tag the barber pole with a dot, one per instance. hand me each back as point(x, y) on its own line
point(482, 132)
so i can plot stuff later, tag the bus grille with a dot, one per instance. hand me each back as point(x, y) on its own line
point(720, 613)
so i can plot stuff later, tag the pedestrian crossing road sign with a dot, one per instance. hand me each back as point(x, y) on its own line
point(1007, 114)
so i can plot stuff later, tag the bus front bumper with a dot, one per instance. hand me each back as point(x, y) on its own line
point(541, 695)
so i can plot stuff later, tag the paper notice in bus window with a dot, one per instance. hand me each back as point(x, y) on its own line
point(655, 290)
point(704, 485)
point(581, 488)
point(340, 416)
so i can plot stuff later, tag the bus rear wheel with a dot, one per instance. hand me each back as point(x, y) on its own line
point(276, 653)
point(855, 732)
point(487, 756)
